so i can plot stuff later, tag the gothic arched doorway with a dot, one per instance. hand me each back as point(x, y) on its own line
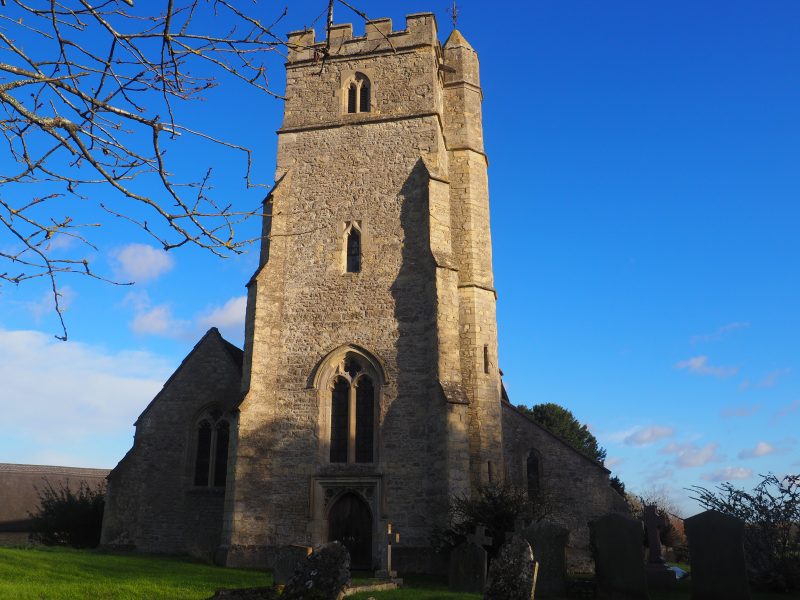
point(350, 522)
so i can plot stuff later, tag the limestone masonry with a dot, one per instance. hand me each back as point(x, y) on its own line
point(368, 392)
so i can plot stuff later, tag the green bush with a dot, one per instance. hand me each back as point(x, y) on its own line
point(67, 517)
point(771, 514)
point(497, 507)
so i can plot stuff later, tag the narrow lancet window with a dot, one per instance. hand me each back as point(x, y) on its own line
point(352, 98)
point(353, 250)
point(203, 457)
point(363, 103)
point(339, 421)
point(365, 403)
point(533, 473)
point(221, 453)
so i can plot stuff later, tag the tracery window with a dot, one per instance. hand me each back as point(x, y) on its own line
point(211, 450)
point(352, 413)
point(358, 94)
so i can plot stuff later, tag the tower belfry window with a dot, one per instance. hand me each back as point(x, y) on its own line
point(359, 93)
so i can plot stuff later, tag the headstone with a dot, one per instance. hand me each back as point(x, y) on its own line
point(549, 543)
point(616, 541)
point(468, 563)
point(716, 553)
point(323, 575)
point(512, 575)
point(288, 560)
point(392, 537)
point(659, 575)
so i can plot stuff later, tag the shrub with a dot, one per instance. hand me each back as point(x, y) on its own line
point(68, 517)
point(771, 513)
point(498, 507)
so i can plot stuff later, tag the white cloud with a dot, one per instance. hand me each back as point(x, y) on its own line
point(613, 461)
point(699, 366)
point(150, 319)
point(728, 474)
point(140, 262)
point(157, 320)
point(719, 333)
point(63, 397)
point(741, 411)
point(690, 455)
point(229, 315)
point(648, 435)
point(761, 449)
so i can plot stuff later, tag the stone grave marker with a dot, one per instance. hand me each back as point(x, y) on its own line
point(716, 553)
point(616, 542)
point(468, 563)
point(659, 575)
point(512, 575)
point(323, 575)
point(287, 561)
point(392, 537)
point(549, 543)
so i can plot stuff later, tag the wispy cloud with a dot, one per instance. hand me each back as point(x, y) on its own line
point(140, 262)
point(719, 333)
point(689, 455)
point(699, 365)
point(160, 319)
point(45, 304)
point(69, 395)
point(787, 410)
point(771, 378)
point(613, 461)
point(740, 411)
point(648, 435)
point(728, 474)
point(761, 449)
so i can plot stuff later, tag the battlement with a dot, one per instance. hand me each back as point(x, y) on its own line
point(378, 37)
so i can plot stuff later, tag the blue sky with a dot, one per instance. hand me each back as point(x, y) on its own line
point(645, 195)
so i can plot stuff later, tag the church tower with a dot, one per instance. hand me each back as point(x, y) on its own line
point(371, 385)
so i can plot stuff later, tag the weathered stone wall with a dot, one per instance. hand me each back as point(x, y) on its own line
point(374, 169)
point(578, 485)
point(152, 504)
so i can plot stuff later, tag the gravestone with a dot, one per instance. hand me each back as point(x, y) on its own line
point(616, 542)
point(288, 560)
point(659, 575)
point(549, 543)
point(512, 575)
point(322, 576)
point(468, 563)
point(716, 553)
point(392, 537)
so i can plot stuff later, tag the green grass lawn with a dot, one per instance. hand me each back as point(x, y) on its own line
point(62, 574)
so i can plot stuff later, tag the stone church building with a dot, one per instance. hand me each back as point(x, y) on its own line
point(368, 391)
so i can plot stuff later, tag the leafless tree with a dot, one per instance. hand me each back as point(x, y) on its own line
point(92, 94)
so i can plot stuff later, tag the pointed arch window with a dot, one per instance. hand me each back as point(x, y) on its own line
point(533, 472)
point(359, 94)
point(212, 438)
point(353, 258)
point(352, 413)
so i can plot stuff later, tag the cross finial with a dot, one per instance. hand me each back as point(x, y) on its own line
point(453, 12)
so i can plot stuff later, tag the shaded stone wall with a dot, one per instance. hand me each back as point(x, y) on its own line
point(578, 485)
point(152, 503)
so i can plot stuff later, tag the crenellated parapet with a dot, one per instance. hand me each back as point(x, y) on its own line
point(378, 36)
